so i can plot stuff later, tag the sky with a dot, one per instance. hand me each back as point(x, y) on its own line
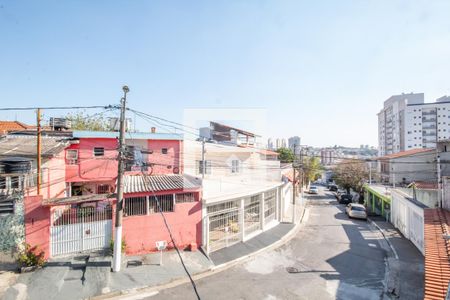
point(320, 69)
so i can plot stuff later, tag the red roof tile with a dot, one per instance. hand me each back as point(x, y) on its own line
point(6, 126)
point(407, 153)
point(437, 249)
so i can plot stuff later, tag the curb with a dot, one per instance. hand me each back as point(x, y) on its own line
point(208, 272)
point(385, 237)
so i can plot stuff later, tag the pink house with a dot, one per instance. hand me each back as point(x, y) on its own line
point(81, 217)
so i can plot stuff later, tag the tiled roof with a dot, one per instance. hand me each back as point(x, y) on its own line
point(6, 126)
point(437, 250)
point(407, 153)
point(148, 183)
point(26, 146)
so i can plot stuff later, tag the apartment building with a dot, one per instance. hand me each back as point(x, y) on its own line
point(406, 122)
point(294, 144)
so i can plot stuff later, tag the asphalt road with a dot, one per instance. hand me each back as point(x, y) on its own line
point(331, 257)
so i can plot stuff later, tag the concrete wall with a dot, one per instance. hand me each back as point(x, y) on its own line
point(12, 230)
point(142, 232)
point(427, 197)
point(37, 224)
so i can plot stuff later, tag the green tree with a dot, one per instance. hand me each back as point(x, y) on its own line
point(285, 155)
point(311, 169)
point(351, 175)
point(81, 121)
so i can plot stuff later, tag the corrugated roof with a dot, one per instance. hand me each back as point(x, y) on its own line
point(26, 146)
point(128, 135)
point(437, 250)
point(407, 153)
point(148, 183)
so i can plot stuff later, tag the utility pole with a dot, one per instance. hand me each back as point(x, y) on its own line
point(438, 162)
point(203, 159)
point(294, 179)
point(39, 150)
point(119, 206)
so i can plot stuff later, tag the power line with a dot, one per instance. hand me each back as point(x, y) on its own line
point(57, 107)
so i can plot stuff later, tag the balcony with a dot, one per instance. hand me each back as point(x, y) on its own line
point(428, 120)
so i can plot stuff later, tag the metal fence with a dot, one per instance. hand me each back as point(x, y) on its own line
point(270, 206)
point(252, 213)
point(68, 215)
point(224, 229)
point(80, 229)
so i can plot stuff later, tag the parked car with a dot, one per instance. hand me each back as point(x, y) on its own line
point(345, 199)
point(333, 187)
point(340, 192)
point(355, 210)
point(313, 190)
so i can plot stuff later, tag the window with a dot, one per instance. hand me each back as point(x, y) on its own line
point(235, 166)
point(99, 151)
point(72, 157)
point(184, 198)
point(164, 150)
point(166, 202)
point(15, 182)
point(135, 206)
point(2, 183)
point(102, 188)
point(199, 167)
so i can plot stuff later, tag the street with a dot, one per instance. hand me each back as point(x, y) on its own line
point(331, 257)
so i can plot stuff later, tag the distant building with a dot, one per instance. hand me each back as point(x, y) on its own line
point(327, 156)
point(406, 122)
point(270, 144)
point(294, 142)
point(228, 135)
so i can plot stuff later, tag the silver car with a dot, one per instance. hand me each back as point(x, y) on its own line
point(355, 210)
point(313, 190)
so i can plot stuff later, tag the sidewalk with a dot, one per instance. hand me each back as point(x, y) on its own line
point(406, 264)
point(89, 275)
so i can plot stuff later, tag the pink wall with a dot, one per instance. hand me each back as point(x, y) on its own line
point(104, 168)
point(90, 168)
point(142, 232)
point(165, 163)
point(37, 224)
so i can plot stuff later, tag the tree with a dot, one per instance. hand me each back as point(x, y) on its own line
point(351, 175)
point(285, 155)
point(82, 121)
point(311, 169)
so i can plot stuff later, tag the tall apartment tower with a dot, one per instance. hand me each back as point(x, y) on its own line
point(294, 142)
point(406, 122)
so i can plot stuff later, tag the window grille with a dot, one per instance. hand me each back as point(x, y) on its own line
point(166, 202)
point(184, 198)
point(199, 167)
point(99, 151)
point(72, 156)
point(135, 206)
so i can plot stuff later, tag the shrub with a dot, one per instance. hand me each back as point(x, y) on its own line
point(124, 245)
point(31, 257)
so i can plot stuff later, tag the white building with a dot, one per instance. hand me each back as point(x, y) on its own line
point(406, 122)
point(243, 191)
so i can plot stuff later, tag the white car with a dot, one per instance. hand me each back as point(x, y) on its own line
point(313, 190)
point(355, 210)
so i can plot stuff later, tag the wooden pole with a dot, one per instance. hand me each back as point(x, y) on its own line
point(38, 152)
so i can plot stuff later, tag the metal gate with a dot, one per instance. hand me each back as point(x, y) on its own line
point(75, 230)
point(224, 229)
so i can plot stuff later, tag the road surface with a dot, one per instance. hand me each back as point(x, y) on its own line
point(331, 257)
